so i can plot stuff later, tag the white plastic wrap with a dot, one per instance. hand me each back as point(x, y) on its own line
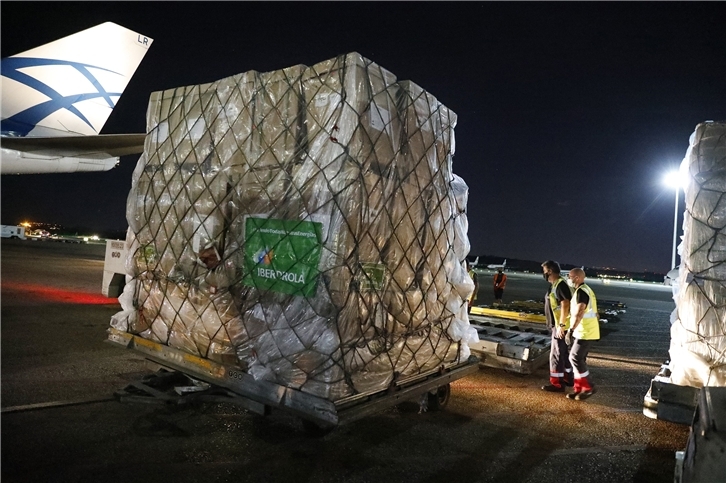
point(237, 177)
point(698, 334)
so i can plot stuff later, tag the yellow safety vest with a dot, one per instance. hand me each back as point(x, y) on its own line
point(589, 326)
point(555, 306)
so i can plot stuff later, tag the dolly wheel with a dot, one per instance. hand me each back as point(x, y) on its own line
point(439, 398)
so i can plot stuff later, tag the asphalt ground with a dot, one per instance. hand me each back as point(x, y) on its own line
point(60, 422)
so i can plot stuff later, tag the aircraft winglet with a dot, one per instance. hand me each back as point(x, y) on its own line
point(71, 85)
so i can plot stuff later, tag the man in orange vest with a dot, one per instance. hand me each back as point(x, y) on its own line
point(500, 281)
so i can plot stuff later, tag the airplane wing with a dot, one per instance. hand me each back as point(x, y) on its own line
point(101, 146)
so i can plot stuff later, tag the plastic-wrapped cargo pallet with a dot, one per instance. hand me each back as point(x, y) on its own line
point(698, 333)
point(304, 224)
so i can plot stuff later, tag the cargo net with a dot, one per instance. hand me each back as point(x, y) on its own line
point(698, 334)
point(304, 224)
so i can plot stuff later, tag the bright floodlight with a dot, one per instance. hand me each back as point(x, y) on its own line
point(673, 179)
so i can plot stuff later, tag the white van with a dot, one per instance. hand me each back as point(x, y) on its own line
point(12, 231)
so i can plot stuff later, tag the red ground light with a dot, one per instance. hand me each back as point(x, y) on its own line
point(57, 295)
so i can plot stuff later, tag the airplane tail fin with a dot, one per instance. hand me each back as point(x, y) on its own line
point(505, 263)
point(71, 85)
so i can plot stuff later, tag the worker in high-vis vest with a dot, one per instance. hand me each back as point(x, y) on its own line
point(557, 313)
point(475, 279)
point(584, 330)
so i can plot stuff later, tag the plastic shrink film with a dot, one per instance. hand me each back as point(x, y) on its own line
point(304, 224)
point(698, 334)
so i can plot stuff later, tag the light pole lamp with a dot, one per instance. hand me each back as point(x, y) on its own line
point(673, 179)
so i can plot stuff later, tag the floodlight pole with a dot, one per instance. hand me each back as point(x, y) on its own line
point(675, 230)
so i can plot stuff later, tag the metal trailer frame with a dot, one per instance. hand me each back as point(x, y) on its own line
point(231, 384)
point(703, 459)
point(669, 402)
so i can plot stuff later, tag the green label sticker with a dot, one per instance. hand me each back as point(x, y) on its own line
point(147, 254)
point(282, 255)
point(372, 276)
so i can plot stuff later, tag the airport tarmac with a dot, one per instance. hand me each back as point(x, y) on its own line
point(60, 422)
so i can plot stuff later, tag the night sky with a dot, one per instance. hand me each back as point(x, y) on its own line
point(569, 114)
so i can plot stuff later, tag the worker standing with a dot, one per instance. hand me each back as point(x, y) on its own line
point(500, 281)
point(557, 313)
point(584, 330)
point(475, 279)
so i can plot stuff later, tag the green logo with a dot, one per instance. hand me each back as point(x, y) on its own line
point(372, 276)
point(282, 255)
point(146, 254)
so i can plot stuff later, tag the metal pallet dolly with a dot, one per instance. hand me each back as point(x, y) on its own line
point(511, 345)
point(187, 378)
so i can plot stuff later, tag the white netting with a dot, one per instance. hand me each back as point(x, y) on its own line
point(698, 334)
point(304, 224)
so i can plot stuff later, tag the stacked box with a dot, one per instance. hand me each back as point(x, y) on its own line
point(698, 334)
point(304, 224)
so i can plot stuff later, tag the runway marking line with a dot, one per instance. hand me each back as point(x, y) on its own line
point(54, 404)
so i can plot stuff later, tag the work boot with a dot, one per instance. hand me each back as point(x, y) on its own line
point(585, 394)
point(553, 388)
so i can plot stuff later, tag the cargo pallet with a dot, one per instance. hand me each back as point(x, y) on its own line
point(614, 306)
point(533, 312)
point(186, 378)
point(509, 314)
point(511, 345)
